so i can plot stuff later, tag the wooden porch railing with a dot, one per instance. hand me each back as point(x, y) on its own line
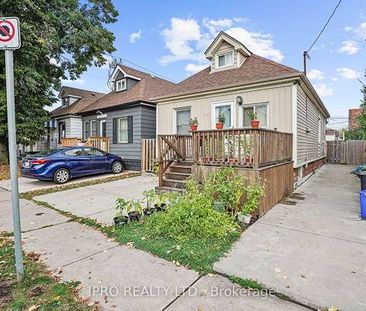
point(70, 141)
point(251, 148)
point(102, 143)
point(171, 148)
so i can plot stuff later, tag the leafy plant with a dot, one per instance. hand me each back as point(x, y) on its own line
point(221, 118)
point(252, 115)
point(254, 193)
point(193, 121)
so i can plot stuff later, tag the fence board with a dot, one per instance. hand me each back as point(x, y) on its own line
point(148, 156)
point(351, 152)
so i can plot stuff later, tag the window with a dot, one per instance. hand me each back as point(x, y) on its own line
point(86, 129)
point(225, 60)
point(74, 152)
point(260, 110)
point(93, 128)
point(227, 110)
point(103, 128)
point(65, 102)
point(121, 85)
point(183, 116)
point(123, 130)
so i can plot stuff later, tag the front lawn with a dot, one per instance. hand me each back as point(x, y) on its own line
point(39, 290)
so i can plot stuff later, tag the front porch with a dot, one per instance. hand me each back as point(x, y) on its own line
point(99, 142)
point(256, 154)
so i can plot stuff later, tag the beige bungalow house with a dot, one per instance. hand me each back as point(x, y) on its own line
point(237, 82)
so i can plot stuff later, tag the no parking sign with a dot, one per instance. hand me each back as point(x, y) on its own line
point(9, 33)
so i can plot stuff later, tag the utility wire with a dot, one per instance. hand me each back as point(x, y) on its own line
point(326, 24)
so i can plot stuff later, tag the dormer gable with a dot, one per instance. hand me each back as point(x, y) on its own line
point(67, 98)
point(225, 52)
point(121, 80)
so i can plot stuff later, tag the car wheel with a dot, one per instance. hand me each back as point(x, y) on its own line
point(61, 176)
point(117, 167)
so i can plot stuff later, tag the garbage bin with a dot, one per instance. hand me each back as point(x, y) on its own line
point(363, 204)
point(362, 176)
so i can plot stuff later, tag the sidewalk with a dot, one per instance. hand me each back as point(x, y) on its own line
point(312, 248)
point(120, 277)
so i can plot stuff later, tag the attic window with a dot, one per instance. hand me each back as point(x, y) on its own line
point(121, 85)
point(65, 102)
point(226, 59)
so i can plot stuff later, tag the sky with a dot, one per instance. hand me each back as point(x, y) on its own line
point(168, 38)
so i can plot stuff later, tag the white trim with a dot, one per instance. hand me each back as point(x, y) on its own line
point(84, 129)
point(101, 127)
point(175, 110)
point(91, 128)
point(252, 105)
point(220, 104)
point(224, 54)
point(125, 74)
point(294, 123)
point(121, 85)
point(118, 131)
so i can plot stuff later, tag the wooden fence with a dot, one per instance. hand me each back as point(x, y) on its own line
point(352, 152)
point(102, 143)
point(148, 155)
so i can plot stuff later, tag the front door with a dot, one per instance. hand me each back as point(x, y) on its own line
point(103, 128)
point(61, 131)
point(183, 116)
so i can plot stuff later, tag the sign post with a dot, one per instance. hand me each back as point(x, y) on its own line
point(10, 41)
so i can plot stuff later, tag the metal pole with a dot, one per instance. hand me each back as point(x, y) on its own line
point(13, 163)
point(305, 55)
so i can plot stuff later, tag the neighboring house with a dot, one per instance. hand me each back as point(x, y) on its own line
point(127, 114)
point(238, 82)
point(66, 121)
point(332, 135)
point(353, 115)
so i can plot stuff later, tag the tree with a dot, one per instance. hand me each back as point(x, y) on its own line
point(60, 40)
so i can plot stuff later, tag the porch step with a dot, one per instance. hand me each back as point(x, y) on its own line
point(184, 163)
point(177, 168)
point(175, 183)
point(167, 189)
point(177, 175)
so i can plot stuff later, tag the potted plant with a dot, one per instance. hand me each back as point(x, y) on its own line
point(151, 197)
point(136, 210)
point(220, 121)
point(253, 119)
point(254, 193)
point(193, 123)
point(121, 217)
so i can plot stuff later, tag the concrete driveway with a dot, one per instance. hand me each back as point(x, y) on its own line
point(99, 201)
point(312, 248)
point(29, 184)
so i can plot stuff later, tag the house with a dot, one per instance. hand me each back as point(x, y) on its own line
point(238, 81)
point(353, 115)
point(127, 114)
point(332, 135)
point(65, 120)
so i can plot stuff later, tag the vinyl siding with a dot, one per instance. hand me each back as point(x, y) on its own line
point(279, 101)
point(73, 127)
point(310, 130)
point(148, 122)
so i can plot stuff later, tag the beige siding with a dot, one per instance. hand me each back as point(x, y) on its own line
point(310, 130)
point(223, 48)
point(278, 99)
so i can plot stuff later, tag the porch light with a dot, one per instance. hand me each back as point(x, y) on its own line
point(239, 100)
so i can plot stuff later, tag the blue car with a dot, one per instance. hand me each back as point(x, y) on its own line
point(60, 165)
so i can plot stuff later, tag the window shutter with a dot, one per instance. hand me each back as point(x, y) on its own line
point(130, 129)
point(115, 131)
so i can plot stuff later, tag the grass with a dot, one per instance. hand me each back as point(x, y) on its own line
point(246, 283)
point(38, 290)
point(195, 254)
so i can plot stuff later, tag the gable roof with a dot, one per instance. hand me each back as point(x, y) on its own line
point(148, 87)
point(254, 69)
point(224, 37)
point(86, 97)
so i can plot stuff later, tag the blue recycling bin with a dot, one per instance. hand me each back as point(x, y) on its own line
point(363, 204)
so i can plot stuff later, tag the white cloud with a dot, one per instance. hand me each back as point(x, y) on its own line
point(349, 47)
point(315, 74)
point(323, 90)
point(77, 81)
point(186, 39)
point(135, 36)
point(361, 30)
point(347, 73)
point(194, 68)
point(348, 28)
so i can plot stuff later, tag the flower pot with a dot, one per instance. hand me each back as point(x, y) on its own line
point(254, 124)
point(194, 127)
point(244, 218)
point(134, 216)
point(161, 207)
point(149, 211)
point(120, 220)
point(219, 125)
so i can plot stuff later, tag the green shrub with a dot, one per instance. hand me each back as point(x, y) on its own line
point(254, 193)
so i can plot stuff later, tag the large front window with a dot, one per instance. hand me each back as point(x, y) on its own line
point(86, 129)
point(183, 117)
point(226, 59)
point(225, 109)
point(122, 130)
point(260, 110)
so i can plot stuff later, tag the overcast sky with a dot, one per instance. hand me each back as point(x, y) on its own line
point(169, 37)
